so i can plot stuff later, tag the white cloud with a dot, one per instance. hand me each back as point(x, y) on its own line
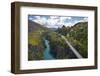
point(85, 19)
point(40, 20)
point(44, 20)
point(69, 18)
point(62, 21)
point(54, 17)
point(56, 21)
point(30, 18)
point(69, 24)
point(52, 21)
point(37, 17)
point(64, 18)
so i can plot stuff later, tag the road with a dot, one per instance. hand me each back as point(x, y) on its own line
point(72, 48)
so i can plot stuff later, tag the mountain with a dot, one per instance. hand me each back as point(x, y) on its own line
point(33, 26)
point(77, 35)
point(53, 29)
point(80, 24)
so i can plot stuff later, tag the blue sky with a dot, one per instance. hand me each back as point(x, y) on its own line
point(56, 21)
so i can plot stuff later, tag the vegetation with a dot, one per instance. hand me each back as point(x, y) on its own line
point(36, 47)
point(77, 35)
point(35, 42)
point(59, 48)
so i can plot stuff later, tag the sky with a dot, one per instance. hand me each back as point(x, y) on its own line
point(56, 21)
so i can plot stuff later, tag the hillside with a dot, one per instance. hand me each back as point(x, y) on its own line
point(41, 38)
point(35, 41)
point(77, 35)
point(33, 26)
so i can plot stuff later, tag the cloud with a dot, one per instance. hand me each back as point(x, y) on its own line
point(37, 17)
point(65, 18)
point(69, 24)
point(69, 18)
point(30, 18)
point(52, 21)
point(44, 20)
point(57, 21)
point(54, 17)
point(85, 19)
point(40, 20)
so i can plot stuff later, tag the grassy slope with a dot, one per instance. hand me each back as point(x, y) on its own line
point(59, 48)
point(35, 42)
point(78, 37)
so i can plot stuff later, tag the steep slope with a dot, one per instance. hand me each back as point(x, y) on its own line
point(33, 26)
point(35, 41)
point(77, 35)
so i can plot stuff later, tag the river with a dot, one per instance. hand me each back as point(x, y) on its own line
point(47, 55)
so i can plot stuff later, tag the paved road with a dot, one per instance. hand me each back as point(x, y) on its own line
point(72, 48)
